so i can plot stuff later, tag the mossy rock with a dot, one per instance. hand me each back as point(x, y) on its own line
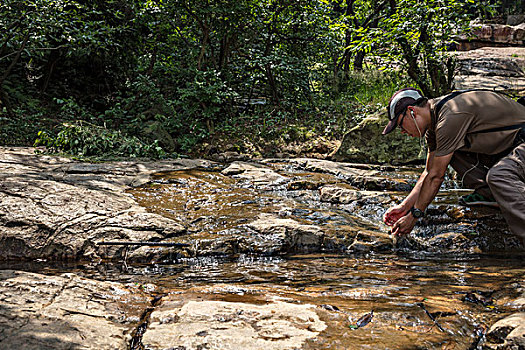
point(365, 144)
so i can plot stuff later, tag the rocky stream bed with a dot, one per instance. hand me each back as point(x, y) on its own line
point(276, 254)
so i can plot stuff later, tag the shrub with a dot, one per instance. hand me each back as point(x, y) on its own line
point(87, 140)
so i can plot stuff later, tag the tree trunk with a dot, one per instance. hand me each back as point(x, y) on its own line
point(15, 60)
point(50, 68)
point(358, 60)
point(224, 52)
point(336, 75)
point(204, 42)
point(413, 70)
point(152, 62)
point(3, 95)
point(272, 83)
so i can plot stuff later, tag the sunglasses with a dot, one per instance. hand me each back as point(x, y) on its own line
point(400, 124)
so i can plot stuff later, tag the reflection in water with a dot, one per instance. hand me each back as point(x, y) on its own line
point(424, 303)
point(392, 286)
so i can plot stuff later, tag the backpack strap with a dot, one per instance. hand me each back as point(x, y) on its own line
point(451, 96)
point(503, 128)
point(456, 93)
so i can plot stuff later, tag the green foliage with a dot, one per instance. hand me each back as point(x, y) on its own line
point(417, 35)
point(86, 140)
point(191, 69)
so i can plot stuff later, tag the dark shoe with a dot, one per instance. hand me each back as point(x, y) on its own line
point(477, 199)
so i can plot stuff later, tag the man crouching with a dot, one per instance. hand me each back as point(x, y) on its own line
point(481, 134)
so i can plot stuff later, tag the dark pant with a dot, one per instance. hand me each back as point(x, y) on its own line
point(506, 179)
point(502, 178)
point(472, 169)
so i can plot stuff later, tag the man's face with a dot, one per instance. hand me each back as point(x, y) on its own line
point(408, 125)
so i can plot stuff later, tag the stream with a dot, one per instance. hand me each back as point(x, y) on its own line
point(440, 296)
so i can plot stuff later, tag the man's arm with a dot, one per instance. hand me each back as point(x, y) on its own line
point(395, 213)
point(428, 190)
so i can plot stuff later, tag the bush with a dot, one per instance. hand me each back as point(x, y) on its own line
point(86, 140)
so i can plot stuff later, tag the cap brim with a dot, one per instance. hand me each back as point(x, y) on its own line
point(390, 126)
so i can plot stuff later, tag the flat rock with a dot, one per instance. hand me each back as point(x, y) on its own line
point(274, 234)
point(67, 312)
point(258, 174)
point(56, 208)
point(218, 325)
point(498, 68)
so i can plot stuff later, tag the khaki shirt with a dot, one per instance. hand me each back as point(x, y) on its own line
point(459, 120)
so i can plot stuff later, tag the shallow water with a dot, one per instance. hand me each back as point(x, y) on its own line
point(343, 288)
point(420, 301)
point(400, 290)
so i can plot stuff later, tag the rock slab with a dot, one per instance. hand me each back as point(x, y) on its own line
point(67, 312)
point(217, 325)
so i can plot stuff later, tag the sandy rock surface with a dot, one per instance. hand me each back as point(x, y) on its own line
point(219, 325)
point(67, 312)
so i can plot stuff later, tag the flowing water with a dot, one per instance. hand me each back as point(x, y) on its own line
point(419, 301)
point(343, 288)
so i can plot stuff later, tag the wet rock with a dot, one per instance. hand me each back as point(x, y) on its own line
point(67, 312)
point(277, 235)
point(55, 208)
point(302, 185)
point(231, 325)
point(338, 194)
point(357, 175)
point(258, 174)
point(221, 245)
point(520, 301)
point(507, 333)
point(358, 241)
point(449, 240)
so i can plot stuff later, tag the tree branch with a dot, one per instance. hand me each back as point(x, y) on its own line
point(15, 60)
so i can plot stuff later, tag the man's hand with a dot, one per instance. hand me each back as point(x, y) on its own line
point(393, 214)
point(404, 225)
